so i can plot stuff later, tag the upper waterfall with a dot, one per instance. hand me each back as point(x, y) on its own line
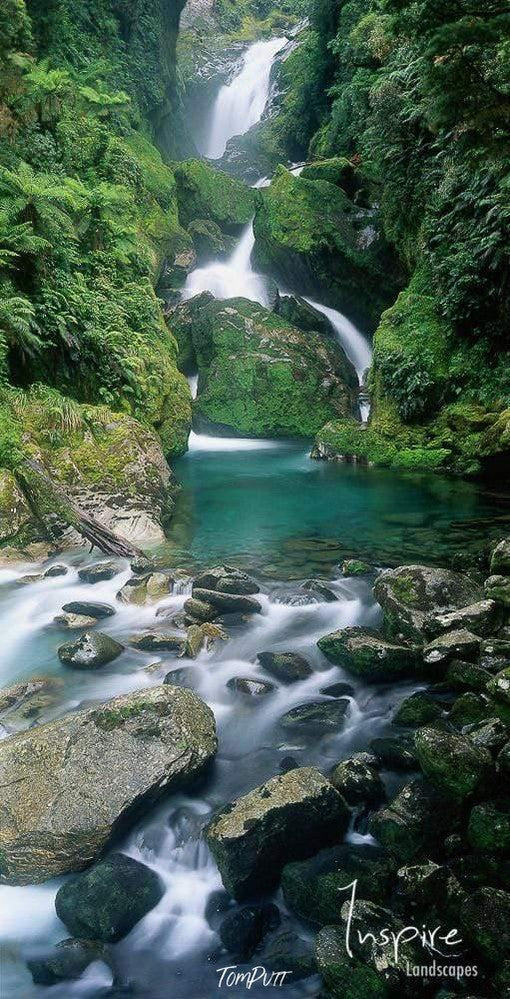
point(240, 104)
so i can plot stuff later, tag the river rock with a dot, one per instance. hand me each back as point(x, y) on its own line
point(71, 807)
point(287, 818)
point(55, 570)
point(450, 760)
point(291, 952)
point(288, 667)
point(467, 676)
point(33, 577)
point(468, 709)
point(345, 977)
point(105, 902)
point(320, 589)
point(25, 692)
point(485, 917)
point(368, 655)
point(75, 621)
point(340, 689)
point(184, 676)
point(157, 641)
point(417, 819)
point(317, 716)
point(354, 567)
point(358, 781)
point(199, 610)
point(499, 686)
point(228, 602)
point(66, 961)
point(98, 572)
point(498, 588)
point(243, 930)
point(460, 644)
point(490, 733)
point(226, 579)
point(89, 608)
point(90, 650)
point(500, 558)
point(418, 709)
point(249, 687)
point(489, 826)
point(412, 593)
point(482, 618)
point(395, 753)
point(204, 636)
point(141, 590)
point(314, 889)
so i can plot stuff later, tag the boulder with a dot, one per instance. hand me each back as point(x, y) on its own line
point(485, 917)
point(489, 826)
point(340, 689)
point(243, 930)
point(105, 902)
point(498, 588)
point(228, 603)
point(500, 558)
point(66, 961)
point(466, 676)
point(90, 650)
point(317, 716)
point(358, 781)
point(417, 819)
point(141, 590)
point(499, 686)
point(291, 952)
point(482, 618)
point(199, 610)
point(468, 709)
point(345, 977)
point(420, 885)
point(184, 676)
point(315, 889)
point(288, 667)
point(248, 687)
point(287, 818)
point(368, 655)
point(410, 594)
point(320, 589)
point(395, 753)
point(460, 644)
point(55, 570)
point(98, 572)
point(74, 622)
point(88, 608)
point(202, 636)
point(300, 313)
point(418, 709)
point(451, 761)
point(490, 733)
point(157, 641)
point(205, 193)
point(86, 775)
point(226, 579)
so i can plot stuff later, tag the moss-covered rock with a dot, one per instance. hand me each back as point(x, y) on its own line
point(344, 977)
point(485, 916)
point(260, 376)
point(410, 593)
point(358, 780)
point(310, 235)
point(416, 820)
point(489, 826)
point(315, 889)
point(451, 761)
point(205, 193)
point(416, 710)
point(369, 655)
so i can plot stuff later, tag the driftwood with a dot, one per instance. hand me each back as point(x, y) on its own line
point(52, 506)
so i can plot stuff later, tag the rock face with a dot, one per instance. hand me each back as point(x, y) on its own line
point(105, 902)
point(287, 818)
point(91, 650)
point(411, 593)
point(368, 655)
point(148, 741)
point(261, 376)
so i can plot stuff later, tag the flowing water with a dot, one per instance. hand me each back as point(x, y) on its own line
point(267, 507)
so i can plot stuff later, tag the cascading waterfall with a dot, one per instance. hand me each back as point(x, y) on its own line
point(234, 278)
point(240, 104)
point(356, 347)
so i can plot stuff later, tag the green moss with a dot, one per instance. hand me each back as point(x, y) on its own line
point(206, 193)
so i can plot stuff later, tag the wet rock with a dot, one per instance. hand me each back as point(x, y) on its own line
point(23, 702)
point(55, 570)
point(243, 930)
point(88, 608)
point(395, 754)
point(421, 884)
point(314, 889)
point(66, 961)
point(358, 781)
point(199, 610)
point(90, 650)
point(500, 558)
point(105, 902)
point(339, 689)
point(288, 763)
point(498, 588)
point(249, 687)
point(184, 676)
point(499, 686)
point(226, 579)
point(490, 733)
point(141, 566)
point(368, 655)
point(289, 817)
point(75, 621)
point(417, 819)
point(27, 580)
point(504, 758)
point(228, 602)
point(343, 976)
point(453, 645)
point(98, 572)
point(482, 618)
point(204, 636)
point(24, 692)
point(317, 716)
point(290, 952)
point(354, 567)
point(466, 676)
point(141, 590)
point(288, 667)
point(157, 641)
point(468, 709)
point(418, 709)
point(412, 593)
point(450, 760)
point(489, 826)
point(485, 917)
point(71, 806)
point(320, 589)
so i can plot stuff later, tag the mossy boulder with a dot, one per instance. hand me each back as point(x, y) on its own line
point(499, 686)
point(451, 761)
point(90, 650)
point(485, 917)
point(416, 710)
point(287, 818)
point(311, 236)
point(66, 961)
point(497, 588)
point(483, 618)
point(489, 826)
point(205, 193)
point(105, 902)
point(337, 170)
point(369, 655)
point(358, 780)
point(315, 889)
point(17, 522)
point(288, 667)
point(85, 776)
point(460, 644)
point(343, 976)
point(416, 820)
point(209, 241)
point(260, 376)
point(317, 716)
point(411, 593)
point(500, 558)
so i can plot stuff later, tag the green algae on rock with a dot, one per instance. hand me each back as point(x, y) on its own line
point(205, 193)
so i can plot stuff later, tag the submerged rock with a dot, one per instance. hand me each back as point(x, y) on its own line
point(317, 716)
point(71, 806)
point(288, 817)
point(288, 667)
point(243, 930)
point(67, 960)
point(98, 572)
point(354, 567)
point(105, 902)
point(91, 650)
point(368, 655)
point(412, 593)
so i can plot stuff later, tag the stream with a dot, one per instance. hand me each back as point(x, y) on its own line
point(266, 507)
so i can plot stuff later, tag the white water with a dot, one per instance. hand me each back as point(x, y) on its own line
point(233, 279)
point(240, 104)
point(202, 442)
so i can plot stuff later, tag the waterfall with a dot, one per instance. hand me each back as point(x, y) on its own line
point(233, 279)
point(240, 104)
point(356, 347)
